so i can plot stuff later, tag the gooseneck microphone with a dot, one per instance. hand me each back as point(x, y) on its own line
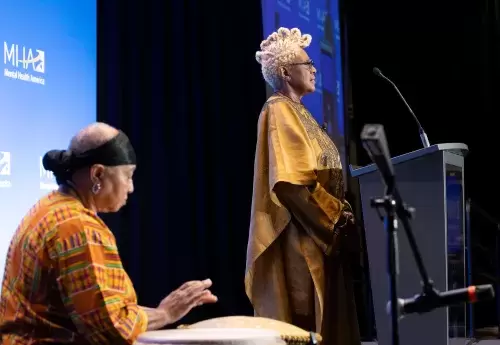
point(423, 135)
point(425, 303)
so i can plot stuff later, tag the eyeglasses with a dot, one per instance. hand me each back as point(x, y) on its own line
point(309, 63)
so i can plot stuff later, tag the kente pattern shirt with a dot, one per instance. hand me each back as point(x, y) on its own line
point(64, 281)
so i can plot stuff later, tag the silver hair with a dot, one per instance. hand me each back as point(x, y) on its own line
point(92, 136)
point(280, 48)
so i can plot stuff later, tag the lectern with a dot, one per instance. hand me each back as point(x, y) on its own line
point(431, 180)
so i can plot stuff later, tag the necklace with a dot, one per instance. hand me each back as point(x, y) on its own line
point(330, 156)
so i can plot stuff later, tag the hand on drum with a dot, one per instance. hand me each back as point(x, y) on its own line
point(191, 294)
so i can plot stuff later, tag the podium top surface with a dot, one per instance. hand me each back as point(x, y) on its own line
point(456, 148)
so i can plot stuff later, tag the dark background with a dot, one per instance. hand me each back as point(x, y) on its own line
point(181, 79)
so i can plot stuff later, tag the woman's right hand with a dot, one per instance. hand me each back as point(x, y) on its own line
point(180, 302)
point(346, 219)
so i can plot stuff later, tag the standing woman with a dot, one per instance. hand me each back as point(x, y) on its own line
point(302, 230)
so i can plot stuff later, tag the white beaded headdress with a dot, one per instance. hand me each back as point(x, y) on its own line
point(278, 49)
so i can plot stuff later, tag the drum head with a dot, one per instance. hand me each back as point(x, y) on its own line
point(233, 336)
point(289, 333)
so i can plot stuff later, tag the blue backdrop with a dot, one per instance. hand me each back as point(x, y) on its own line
point(47, 93)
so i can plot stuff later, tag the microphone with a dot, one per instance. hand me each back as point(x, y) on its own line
point(375, 143)
point(423, 135)
point(425, 303)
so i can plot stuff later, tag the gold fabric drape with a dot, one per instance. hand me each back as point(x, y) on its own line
point(296, 268)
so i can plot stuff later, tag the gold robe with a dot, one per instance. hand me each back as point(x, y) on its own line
point(297, 263)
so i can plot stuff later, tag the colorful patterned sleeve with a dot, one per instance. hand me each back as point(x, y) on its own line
point(94, 286)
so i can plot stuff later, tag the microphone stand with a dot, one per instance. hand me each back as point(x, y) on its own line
point(390, 223)
point(394, 206)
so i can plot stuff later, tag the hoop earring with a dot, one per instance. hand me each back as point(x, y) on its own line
point(96, 187)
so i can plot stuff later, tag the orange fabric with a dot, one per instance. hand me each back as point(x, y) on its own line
point(64, 280)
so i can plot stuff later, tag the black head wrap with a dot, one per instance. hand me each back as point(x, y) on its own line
point(115, 152)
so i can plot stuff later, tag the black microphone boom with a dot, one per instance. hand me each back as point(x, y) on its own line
point(426, 302)
point(423, 135)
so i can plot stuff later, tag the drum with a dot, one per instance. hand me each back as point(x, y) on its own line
point(289, 333)
point(211, 336)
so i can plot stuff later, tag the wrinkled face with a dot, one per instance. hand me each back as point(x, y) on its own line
point(301, 74)
point(115, 185)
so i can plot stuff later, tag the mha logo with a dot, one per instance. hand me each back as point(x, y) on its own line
point(47, 179)
point(23, 63)
point(5, 170)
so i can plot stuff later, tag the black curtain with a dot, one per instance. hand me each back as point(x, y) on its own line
point(485, 234)
point(444, 56)
point(180, 78)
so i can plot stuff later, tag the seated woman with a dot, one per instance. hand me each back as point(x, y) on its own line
point(64, 281)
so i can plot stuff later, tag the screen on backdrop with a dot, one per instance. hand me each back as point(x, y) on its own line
point(321, 20)
point(47, 93)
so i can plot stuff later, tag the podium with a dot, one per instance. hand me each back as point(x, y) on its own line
point(431, 180)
